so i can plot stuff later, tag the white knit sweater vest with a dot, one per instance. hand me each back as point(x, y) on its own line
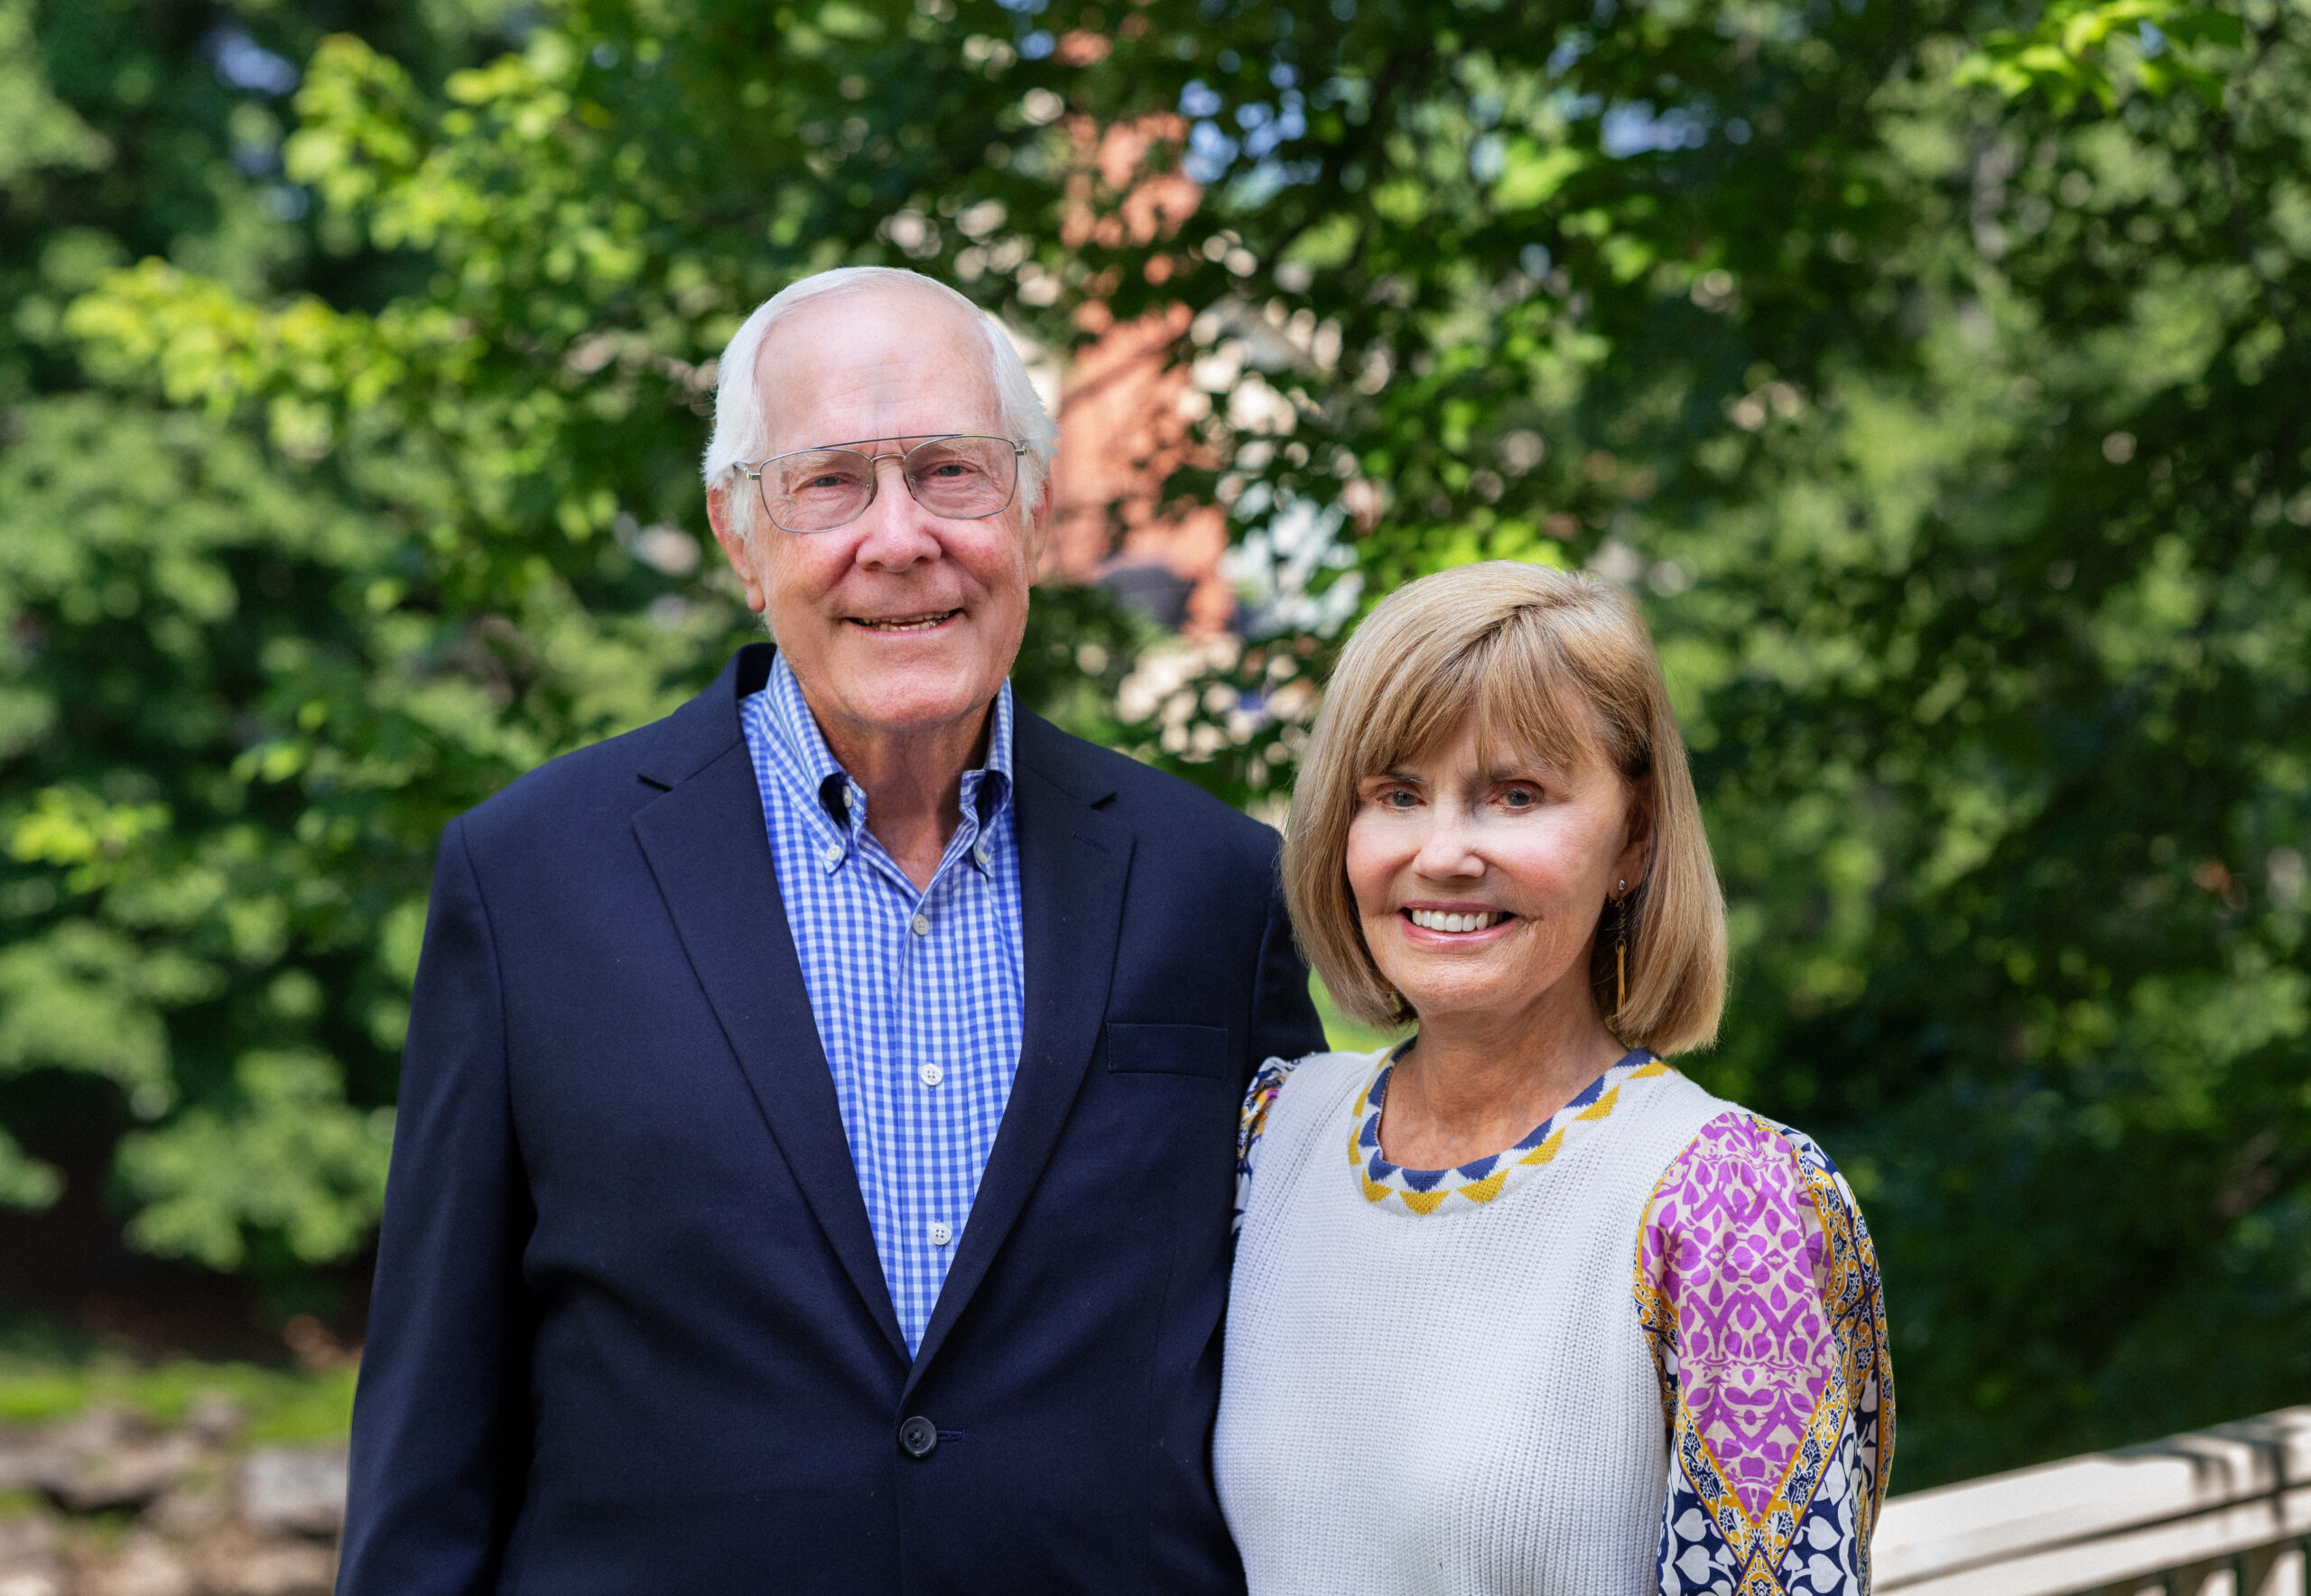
point(1460, 1403)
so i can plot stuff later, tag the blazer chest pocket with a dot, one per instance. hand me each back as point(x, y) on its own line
point(1168, 1050)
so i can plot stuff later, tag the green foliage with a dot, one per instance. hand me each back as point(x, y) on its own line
point(1956, 439)
point(1936, 373)
point(2073, 49)
point(252, 659)
point(295, 1158)
point(1080, 643)
point(37, 130)
point(41, 1386)
point(2010, 648)
point(1341, 1033)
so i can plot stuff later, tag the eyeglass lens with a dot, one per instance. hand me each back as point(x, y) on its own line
point(960, 478)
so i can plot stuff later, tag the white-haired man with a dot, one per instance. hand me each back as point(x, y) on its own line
point(817, 1131)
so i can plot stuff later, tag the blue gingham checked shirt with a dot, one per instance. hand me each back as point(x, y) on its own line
point(919, 997)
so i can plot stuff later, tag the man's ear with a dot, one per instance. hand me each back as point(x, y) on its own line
point(735, 547)
point(1039, 523)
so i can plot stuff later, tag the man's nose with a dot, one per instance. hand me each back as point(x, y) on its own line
point(894, 530)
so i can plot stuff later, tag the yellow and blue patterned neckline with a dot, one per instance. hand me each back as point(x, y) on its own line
point(1425, 1190)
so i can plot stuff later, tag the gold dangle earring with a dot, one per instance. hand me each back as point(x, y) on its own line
point(1620, 951)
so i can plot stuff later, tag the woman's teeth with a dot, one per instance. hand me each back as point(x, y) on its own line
point(912, 623)
point(1435, 920)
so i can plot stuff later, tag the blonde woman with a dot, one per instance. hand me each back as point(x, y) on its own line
point(1518, 1307)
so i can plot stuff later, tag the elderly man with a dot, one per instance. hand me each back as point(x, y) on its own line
point(816, 1132)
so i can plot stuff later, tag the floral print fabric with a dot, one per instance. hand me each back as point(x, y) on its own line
point(1759, 1290)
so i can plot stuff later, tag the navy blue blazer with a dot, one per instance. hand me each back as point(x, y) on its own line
point(630, 1335)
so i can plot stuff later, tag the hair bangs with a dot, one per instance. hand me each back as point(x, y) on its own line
point(1529, 701)
point(1512, 679)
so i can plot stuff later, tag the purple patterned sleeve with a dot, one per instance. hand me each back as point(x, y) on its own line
point(1758, 1291)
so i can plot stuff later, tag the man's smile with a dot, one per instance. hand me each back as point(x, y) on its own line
point(924, 622)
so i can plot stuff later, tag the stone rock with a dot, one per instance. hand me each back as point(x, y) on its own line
point(28, 1561)
point(128, 1474)
point(205, 1523)
point(101, 1428)
point(272, 1568)
point(299, 1490)
point(143, 1568)
point(196, 1507)
point(106, 1458)
point(27, 1462)
point(215, 1418)
point(26, 1535)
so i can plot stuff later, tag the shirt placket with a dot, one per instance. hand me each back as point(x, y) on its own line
point(869, 897)
point(933, 1058)
point(918, 1158)
point(917, 1174)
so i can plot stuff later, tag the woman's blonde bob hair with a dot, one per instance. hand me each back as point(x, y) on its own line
point(1553, 665)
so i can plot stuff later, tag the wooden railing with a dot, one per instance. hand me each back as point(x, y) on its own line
point(2219, 1512)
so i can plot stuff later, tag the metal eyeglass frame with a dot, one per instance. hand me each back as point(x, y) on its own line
point(875, 478)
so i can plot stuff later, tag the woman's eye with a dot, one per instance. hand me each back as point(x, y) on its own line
point(1393, 798)
point(1519, 798)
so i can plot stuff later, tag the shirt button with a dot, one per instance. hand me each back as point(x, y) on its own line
point(833, 855)
point(984, 856)
point(922, 925)
point(932, 1074)
point(940, 1235)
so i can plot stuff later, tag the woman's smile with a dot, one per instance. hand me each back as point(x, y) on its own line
point(1455, 923)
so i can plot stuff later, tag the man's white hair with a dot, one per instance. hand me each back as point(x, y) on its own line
point(741, 438)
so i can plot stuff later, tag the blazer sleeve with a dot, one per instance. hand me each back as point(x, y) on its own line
point(1283, 1017)
point(441, 1425)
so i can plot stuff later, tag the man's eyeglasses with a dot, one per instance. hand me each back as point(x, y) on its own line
point(963, 477)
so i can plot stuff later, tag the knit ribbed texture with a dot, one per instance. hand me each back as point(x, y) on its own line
point(1456, 1403)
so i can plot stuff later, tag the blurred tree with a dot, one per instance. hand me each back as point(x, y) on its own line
point(1935, 369)
point(160, 931)
point(1946, 398)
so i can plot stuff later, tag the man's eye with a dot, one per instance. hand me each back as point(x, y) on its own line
point(824, 479)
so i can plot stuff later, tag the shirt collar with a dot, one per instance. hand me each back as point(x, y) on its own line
point(812, 766)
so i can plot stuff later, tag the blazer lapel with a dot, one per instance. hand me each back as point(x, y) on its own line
point(707, 846)
point(1074, 861)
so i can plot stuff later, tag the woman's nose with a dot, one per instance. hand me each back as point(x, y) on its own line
point(1449, 848)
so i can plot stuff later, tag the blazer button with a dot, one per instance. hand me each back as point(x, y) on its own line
point(918, 1437)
